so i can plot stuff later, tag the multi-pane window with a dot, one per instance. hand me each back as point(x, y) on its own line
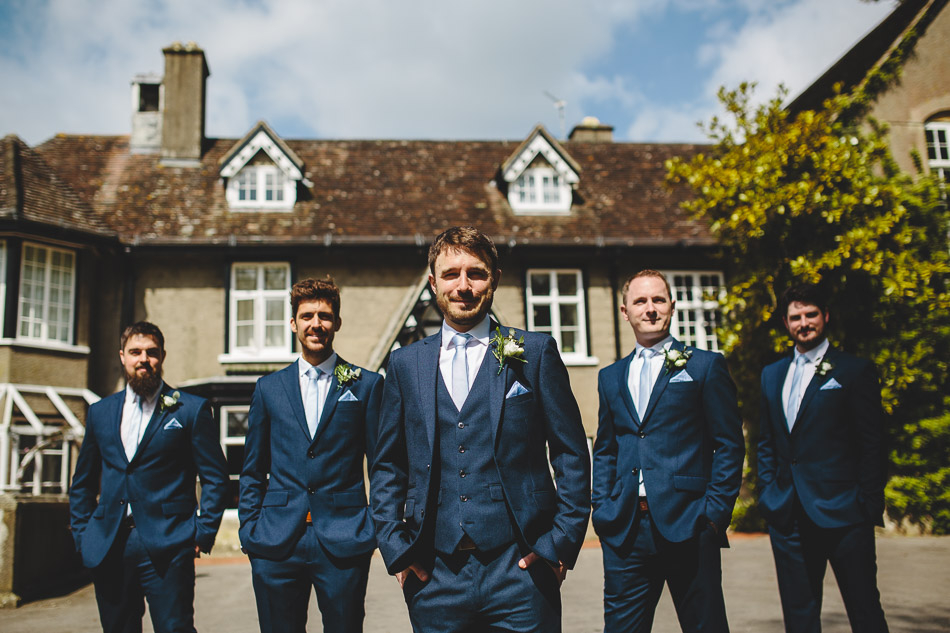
point(938, 149)
point(540, 190)
point(233, 431)
point(47, 294)
point(261, 187)
point(697, 307)
point(556, 307)
point(260, 309)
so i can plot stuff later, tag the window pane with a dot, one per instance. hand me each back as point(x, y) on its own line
point(275, 278)
point(245, 335)
point(237, 423)
point(568, 341)
point(245, 310)
point(540, 284)
point(568, 315)
point(542, 317)
point(567, 284)
point(274, 335)
point(245, 278)
point(274, 310)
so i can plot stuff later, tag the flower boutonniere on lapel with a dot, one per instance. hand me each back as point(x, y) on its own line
point(822, 367)
point(169, 401)
point(346, 374)
point(674, 359)
point(507, 347)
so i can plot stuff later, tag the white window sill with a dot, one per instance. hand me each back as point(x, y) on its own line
point(45, 345)
point(576, 360)
point(260, 208)
point(228, 359)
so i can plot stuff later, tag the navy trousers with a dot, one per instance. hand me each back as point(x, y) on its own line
point(127, 577)
point(801, 556)
point(477, 592)
point(634, 578)
point(282, 588)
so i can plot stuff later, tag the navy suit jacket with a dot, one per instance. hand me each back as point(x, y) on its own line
point(405, 479)
point(834, 458)
point(179, 443)
point(323, 476)
point(689, 446)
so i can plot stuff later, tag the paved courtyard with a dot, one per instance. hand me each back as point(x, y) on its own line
point(914, 576)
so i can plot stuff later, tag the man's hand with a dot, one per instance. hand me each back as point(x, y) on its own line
point(197, 551)
point(531, 558)
point(420, 573)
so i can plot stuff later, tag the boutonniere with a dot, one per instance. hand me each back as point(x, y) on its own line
point(507, 347)
point(822, 367)
point(345, 374)
point(170, 401)
point(676, 359)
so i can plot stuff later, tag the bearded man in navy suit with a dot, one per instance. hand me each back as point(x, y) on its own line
point(467, 514)
point(304, 516)
point(822, 470)
point(667, 468)
point(133, 508)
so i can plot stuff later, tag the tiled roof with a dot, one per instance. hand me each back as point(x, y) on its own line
point(378, 192)
point(30, 191)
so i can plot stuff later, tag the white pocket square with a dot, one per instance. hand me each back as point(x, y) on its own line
point(831, 384)
point(349, 397)
point(516, 390)
point(682, 377)
point(173, 424)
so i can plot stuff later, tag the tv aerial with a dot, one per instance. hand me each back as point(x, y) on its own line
point(559, 104)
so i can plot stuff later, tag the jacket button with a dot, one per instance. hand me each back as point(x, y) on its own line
point(463, 498)
point(427, 466)
point(311, 489)
point(310, 454)
point(422, 513)
point(462, 474)
point(635, 471)
point(121, 502)
point(461, 425)
point(461, 449)
point(641, 435)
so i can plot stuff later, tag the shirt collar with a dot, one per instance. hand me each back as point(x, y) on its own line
point(813, 354)
point(131, 395)
point(480, 332)
point(326, 366)
point(658, 347)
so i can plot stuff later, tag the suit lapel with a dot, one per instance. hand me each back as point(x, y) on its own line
point(775, 391)
point(813, 386)
point(498, 384)
point(329, 406)
point(158, 418)
point(290, 379)
point(661, 382)
point(623, 385)
point(426, 383)
point(114, 419)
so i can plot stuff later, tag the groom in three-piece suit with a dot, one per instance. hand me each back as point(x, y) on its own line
point(304, 515)
point(468, 517)
point(667, 468)
point(142, 450)
point(822, 470)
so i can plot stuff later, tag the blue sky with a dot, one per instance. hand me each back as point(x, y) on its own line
point(433, 69)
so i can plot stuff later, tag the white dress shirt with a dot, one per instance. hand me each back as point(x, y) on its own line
point(808, 372)
point(633, 380)
point(323, 388)
point(475, 351)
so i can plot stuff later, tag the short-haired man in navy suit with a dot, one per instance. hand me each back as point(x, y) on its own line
point(133, 506)
point(467, 514)
point(667, 468)
point(304, 516)
point(822, 469)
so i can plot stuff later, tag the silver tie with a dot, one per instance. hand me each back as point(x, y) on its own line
point(460, 369)
point(793, 400)
point(646, 384)
point(312, 405)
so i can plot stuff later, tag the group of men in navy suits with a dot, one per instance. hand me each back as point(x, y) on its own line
point(480, 473)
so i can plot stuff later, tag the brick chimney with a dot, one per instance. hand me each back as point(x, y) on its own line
point(183, 120)
point(591, 130)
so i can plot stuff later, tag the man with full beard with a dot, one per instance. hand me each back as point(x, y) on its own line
point(468, 518)
point(142, 450)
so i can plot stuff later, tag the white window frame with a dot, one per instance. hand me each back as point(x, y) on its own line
point(260, 295)
point(580, 355)
point(227, 440)
point(520, 192)
point(46, 287)
point(3, 283)
point(695, 302)
point(939, 165)
point(260, 175)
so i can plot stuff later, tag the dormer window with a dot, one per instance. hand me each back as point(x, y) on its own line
point(540, 176)
point(262, 172)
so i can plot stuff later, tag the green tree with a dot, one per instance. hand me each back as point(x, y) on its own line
point(816, 196)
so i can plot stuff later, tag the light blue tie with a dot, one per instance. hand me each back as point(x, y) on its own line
point(793, 400)
point(646, 384)
point(460, 369)
point(312, 406)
